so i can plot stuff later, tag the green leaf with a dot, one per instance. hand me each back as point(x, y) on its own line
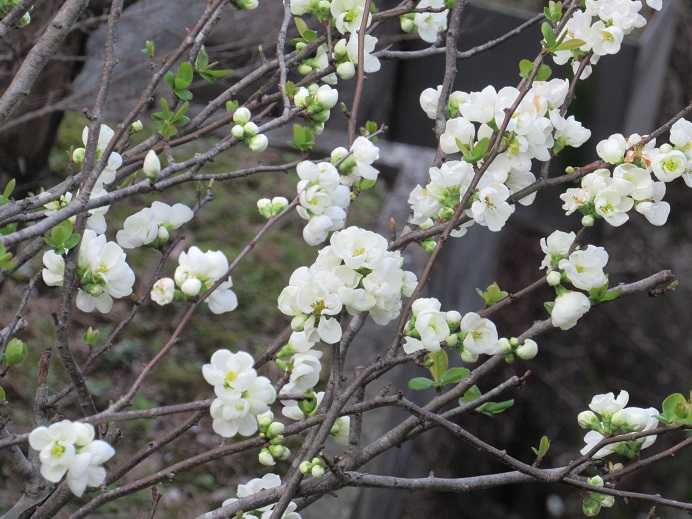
point(543, 447)
point(471, 394)
point(301, 25)
point(675, 408)
point(15, 352)
point(202, 60)
point(548, 305)
point(548, 35)
point(183, 77)
point(9, 189)
point(454, 375)
point(525, 68)
point(544, 73)
point(303, 138)
point(603, 295)
point(3, 395)
point(232, 106)
point(572, 44)
point(478, 151)
point(493, 408)
point(183, 95)
point(420, 383)
point(437, 362)
point(553, 11)
point(371, 127)
point(493, 294)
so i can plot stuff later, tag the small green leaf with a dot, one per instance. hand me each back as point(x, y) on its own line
point(15, 352)
point(202, 60)
point(493, 294)
point(437, 362)
point(548, 305)
point(303, 138)
point(183, 77)
point(3, 395)
point(525, 68)
point(548, 35)
point(543, 447)
point(9, 188)
point(473, 393)
point(572, 44)
point(454, 375)
point(232, 106)
point(493, 408)
point(676, 409)
point(420, 383)
point(544, 73)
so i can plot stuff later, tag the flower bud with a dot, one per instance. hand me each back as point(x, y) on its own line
point(346, 70)
point(528, 350)
point(553, 278)
point(305, 467)
point(250, 129)
point(259, 143)
point(238, 131)
point(587, 420)
point(596, 481)
point(152, 165)
point(338, 154)
point(78, 155)
point(340, 49)
point(279, 203)
point(191, 287)
point(265, 458)
point(317, 471)
point(279, 452)
point(136, 126)
point(587, 220)
point(298, 322)
point(468, 356)
point(304, 69)
point(264, 206)
point(453, 318)
point(505, 345)
point(242, 116)
point(327, 96)
point(163, 235)
point(429, 245)
point(15, 352)
point(91, 336)
point(265, 419)
point(301, 97)
point(407, 23)
point(275, 429)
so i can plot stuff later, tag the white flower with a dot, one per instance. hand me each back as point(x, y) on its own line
point(327, 96)
point(363, 153)
point(152, 165)
point(199, 270)
point(528, 350)
point(114, 159)
point(607, 404)
point(254, 486)
point(681, 136)
point(479, 107)
point(53, 271)
point(669, 165)
point(612, 204)
point(606, 40)
point(556, 246)
point(235, 412)
point(163, 291)
point(223, 299)
point(655, 210)
point(358, 248)
point(636, 182)
point(229, 371)
point(458, 131)
point(568, 308)
point(612, 150)
point(371, 63)
point(480, 335)
point(584, 268)
point(492, 209)
point(593, 438)
point(305, 373)
point(430, 325)
point(636, 418)
point(138, 229)
point(429, 25)
point(569, 132)
point(103, 273)
point(70, 448)
point(348, 15)
point(429, 99)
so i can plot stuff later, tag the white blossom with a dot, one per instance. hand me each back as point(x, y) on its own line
point(480, 335)
point(163, 291)
point(584, 268)
point(568, 308)
point(430, 24)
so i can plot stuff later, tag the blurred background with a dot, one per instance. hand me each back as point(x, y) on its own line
point(640, 344)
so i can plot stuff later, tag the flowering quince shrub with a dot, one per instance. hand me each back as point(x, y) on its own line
point(296, 402)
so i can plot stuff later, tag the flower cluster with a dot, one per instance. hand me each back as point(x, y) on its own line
point(196, 273)
point(428, 24)
point(325, 188)
point(429, 329)
point(256, 485)
point(270, 208)
point(536, 129)
point(241, 394)
point(70, 448)
point(355, 272)
point(638, 179)
point(582, 268)
point(152, 225)
point(599, 30)
point(273, 432)
point(608, 417)
point(317, 102)
point(247, 131)
point(102, 272)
